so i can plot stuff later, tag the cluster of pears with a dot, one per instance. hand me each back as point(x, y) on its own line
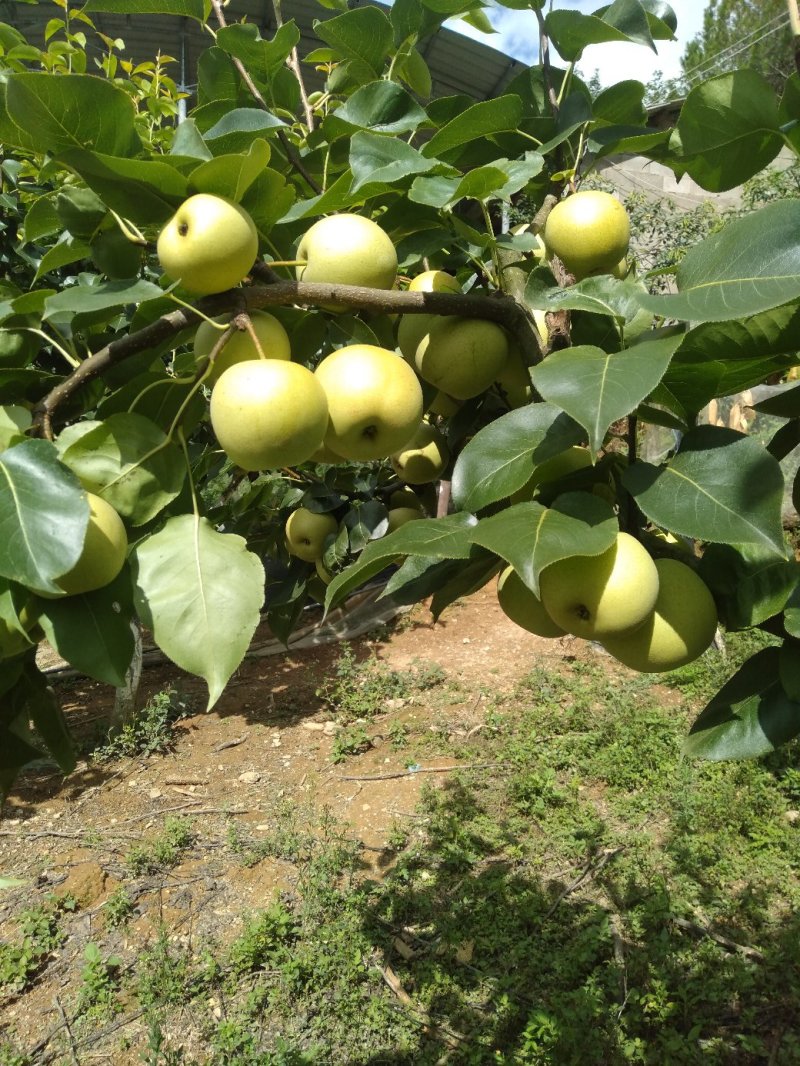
point(650, 614)
point(363, 402)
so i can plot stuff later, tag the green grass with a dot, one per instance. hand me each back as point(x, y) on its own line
point(591, 898)
point(151, 731)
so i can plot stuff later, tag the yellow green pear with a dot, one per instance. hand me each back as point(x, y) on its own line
point(679, 629)
point(240, 347)
point(347, 249)
point(589, 231)
point(208, 245)
point(462, 356)
point(524, 608)
point(406, 497)
point(600, 596)
point(268, 413)
point(423, 458)
point(412, 328)
point(398, 516)
point(374, 401)
point(105, 548)
point(306, 532)
point(514, 381)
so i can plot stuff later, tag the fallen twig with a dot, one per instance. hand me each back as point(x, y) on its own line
point(419, 770)
point(590, 870)
point(724, 941)
point(231, 743)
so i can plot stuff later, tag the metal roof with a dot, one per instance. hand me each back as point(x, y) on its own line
point(458, 64)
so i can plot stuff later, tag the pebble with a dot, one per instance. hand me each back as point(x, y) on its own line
point(249, 777)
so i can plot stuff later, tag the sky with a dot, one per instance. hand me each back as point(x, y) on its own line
point(517, 36)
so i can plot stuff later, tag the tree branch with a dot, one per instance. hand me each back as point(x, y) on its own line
point(291, 155)
point(497, 308)
point(293, 63)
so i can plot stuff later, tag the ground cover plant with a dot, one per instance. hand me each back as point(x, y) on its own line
point(205, 415)
point(573, 872)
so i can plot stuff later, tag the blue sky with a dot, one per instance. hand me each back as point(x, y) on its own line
point(517, 36)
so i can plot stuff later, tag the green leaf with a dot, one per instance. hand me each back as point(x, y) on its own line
point(92, 631)
point(14, 421)
point(142, 190)
point(415, 72)
point(435, 538)
point(596, 387)
point(729, 129)
point(365, 522)
point(501, 457)
point(784, 404)
point(231, 175)
point(748, 582)
point(621, 105)
point(45, 713)
point(68, 250)
point(751, 265)
point(530, 536)
point(469, 578)
point(718, 360)
point(363, 34)
point(131, 463)
point(200, 593)
point(789, 670)
point(602, 295)
point(481, 120)
point(85, 299)
point(722, 486)
point(235, 131)
point(385, 160)
point(268, 200)
point(571, 31)
point(262, 59)
point(43, 516)
point(381, 107)
point(46, 114)
point(195, 9)
point(751, 715)
point(42, 219)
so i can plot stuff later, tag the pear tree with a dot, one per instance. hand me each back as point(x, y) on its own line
point(207, 326)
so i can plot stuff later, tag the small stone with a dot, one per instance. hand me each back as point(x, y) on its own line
point(464, 952)
point(154, 793)
point(792, 817)
point(365, 807)
point(466, 640)
point(317, 727)
point(330, 728)
point(249, 777)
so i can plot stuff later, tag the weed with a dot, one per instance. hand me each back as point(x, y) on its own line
point(163, 851)
point(360, 689)
point(351, 741)
point(265, 940)
point(41, 935)
point(97, 996)
point(151, 730)
point(11, 1055)
point(118, 908)
point(165, 976)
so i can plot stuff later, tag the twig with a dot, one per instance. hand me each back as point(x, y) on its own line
point(421, 770)
point(67, 1026)
point(449, 1036)
point(185, 781)
point(724, 941)
point(231, 743)
point(590, 870)
point(291, 155)
point(293, 63)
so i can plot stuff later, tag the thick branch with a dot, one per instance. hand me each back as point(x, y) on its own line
point(291, 155)
point(501, 309)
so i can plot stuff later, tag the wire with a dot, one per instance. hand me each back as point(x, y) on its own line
point(742, 45)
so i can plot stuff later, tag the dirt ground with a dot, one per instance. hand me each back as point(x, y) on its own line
point(267, 744)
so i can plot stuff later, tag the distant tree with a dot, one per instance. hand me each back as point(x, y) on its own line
point(741, 33)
